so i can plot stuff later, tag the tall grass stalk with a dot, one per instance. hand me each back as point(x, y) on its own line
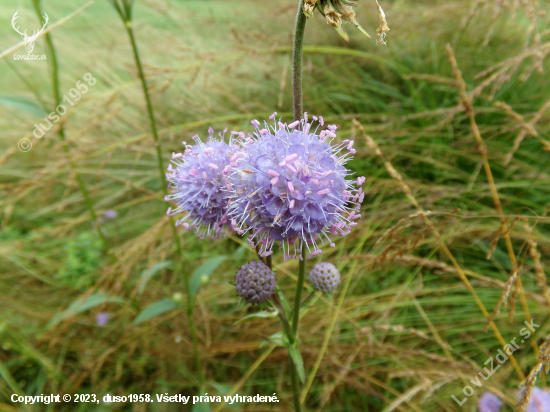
point(61, 131)
point(482, 147)
point(125, 13)
point(433, 229)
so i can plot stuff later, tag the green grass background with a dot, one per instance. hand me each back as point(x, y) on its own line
point(409, 334)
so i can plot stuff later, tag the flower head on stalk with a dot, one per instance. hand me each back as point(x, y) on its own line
point(325, 277)
point(290, 186)
point(255, 282)
point(336, 12)
point(198, 182)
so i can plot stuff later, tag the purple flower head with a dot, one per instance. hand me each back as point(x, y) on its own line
point(110, 214)
point(489, 403)
point(290, 186)
point(198, 182)
point(102, 318)
point(539, 402)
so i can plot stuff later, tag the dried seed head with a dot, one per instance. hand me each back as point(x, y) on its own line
point(309, 7)
point(338, 11)
point(332, 16)
point(347, 13)
point(383, 29)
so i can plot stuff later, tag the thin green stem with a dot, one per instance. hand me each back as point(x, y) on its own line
point(129, 29)
point(297, 62)
point(61, 131)
point(282, 315)
point(310, 296)
point(295, 387)
point(298, 296)
point(298, 109)
point(160, 162)
point(292, 341)
point(295, 322)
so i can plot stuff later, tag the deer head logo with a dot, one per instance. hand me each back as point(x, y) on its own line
point(29, 40)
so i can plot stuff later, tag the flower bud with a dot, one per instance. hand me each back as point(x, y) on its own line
point(255, 282)
point(177, 297)
point(324, 277)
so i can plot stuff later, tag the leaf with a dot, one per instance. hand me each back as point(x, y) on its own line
point(147, 274)
point(298, 362)
point(24, 104)
point(83, 304)
point(304, 309)
point(155, 309)
point(278, 338)
point(261, 314)
point(8, 378)
point(284, 302)
point(221, 388)
point(203, 271)
point(240, 251)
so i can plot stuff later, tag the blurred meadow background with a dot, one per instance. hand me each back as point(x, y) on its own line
point(404, 332)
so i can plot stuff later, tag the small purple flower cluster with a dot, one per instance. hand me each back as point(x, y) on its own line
point(198, 184)
point(285, 183)
point(489, 402)
point(539, 401)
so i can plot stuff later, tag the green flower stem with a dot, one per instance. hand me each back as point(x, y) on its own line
point(295, 387)
point(292, 341)
point(298, 296)
point(126, 18)
point(294, 332)
point(298, 108)
point(282, 315)
point(297, 61)
point(61, 131)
